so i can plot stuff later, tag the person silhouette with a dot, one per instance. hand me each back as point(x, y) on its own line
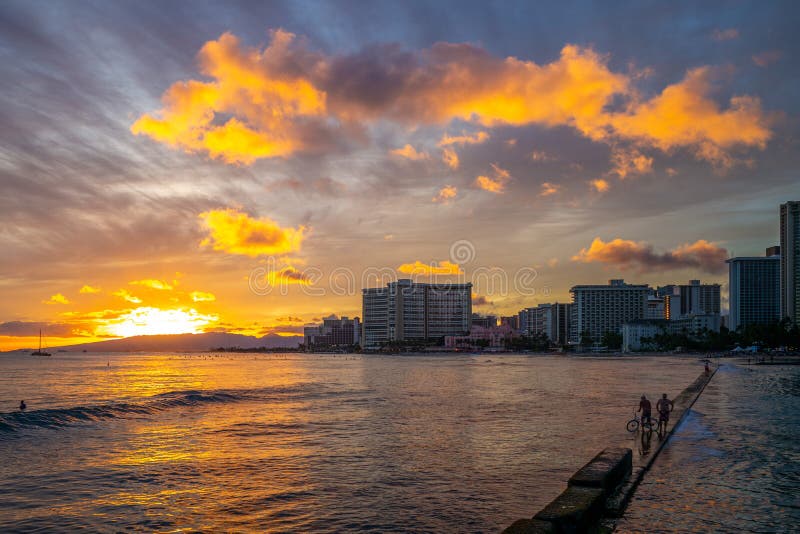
point(22, 405)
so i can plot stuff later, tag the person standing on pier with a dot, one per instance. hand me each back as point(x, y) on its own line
point(645, 407)
point(664, 406)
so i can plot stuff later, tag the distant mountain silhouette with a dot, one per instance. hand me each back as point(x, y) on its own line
point(185, 342)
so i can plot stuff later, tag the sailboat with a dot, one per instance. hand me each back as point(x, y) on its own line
point(40, 352)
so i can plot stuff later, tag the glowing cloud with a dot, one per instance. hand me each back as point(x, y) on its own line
point(284, 98)
point(234, 232)
point(628, 162)
point(409, 152)
point(146, 321)
point(200, 296)
point(123, 294)
point(478, 138)
point(152, 284)
point(548, 189)
point(423, 269)
point(446, 194)
point(497, 184)
point(58, 298)
point(626, 254)
point(600, 185)
point(89, 289)
point(286, 276)
point(450, 158)
point(765, 59)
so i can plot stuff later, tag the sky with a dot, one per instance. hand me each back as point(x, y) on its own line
point(170, 167)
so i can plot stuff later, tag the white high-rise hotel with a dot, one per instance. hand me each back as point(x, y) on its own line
point(598, 310)
point(410, 311)
point(790, 261)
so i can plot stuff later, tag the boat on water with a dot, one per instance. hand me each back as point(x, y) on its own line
point(40, 352)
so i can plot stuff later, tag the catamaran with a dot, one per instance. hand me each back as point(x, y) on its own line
point(40, 352)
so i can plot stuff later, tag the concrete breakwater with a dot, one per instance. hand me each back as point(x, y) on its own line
point(602, 488)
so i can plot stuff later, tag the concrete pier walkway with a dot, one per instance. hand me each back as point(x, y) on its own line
point(603, 487)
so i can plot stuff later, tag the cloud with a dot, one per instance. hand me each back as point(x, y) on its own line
point(600, 185)
point(234, 232)
point(286, 276)
point(725, 35)
point(497, 184)
point(628, 162)
point(285, 98)
point(58, 298)
point(89, 289)
point(200, 296)
point(541, 155)
point(123, 294)
point(446, 194)
point(479, 137)
point(765, 59)
point(480, 300)
point(450, 158)
point(684, 116)
point(626, 254)
point(152, 284)
point(31, 329)
point(423, 269)
point(548, 189)
point(409, 152)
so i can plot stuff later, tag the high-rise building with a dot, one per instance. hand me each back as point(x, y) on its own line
point(755, 290)
point(694, 298)
point(333, 332)
point(790, 261)
point(598, 309)
point(410, 311)
point(551, 320)
point(511, 321)
point(484, 321)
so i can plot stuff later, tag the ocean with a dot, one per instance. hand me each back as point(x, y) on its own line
point(317, 443)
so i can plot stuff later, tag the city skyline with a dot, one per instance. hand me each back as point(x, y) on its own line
point(159, 184)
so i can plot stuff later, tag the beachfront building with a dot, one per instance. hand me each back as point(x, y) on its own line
point(655, 308)
point(638, 335)
point(333, 332)
point(755, 290)
point(406, 311)
point(484, 321)
point(693, 298)
point(601, 309)
point(790, 261)
point(551, 320)
point(493, 337)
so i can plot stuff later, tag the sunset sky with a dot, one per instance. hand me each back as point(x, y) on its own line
point(246, 167)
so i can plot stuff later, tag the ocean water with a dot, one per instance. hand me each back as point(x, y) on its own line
point(733, 465)
point(308, 443)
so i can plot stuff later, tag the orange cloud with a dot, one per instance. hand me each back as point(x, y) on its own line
point(89, 289)
point(497, 184)
point(409, 152)
point(123, 294)
point(58, 298)
point(478, 138)
point(548, 189)
point(423, 269)
point(446, 194)
point(627, 162)
point(288, 275)
point(626, 254)
point(450, 158)
point(275, 101)
point(684, 116)
point(266, 101)
point(152, 284)
point(600, 185)
point(200, 296)
point(234, 232)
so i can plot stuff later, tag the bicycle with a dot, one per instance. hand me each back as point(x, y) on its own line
point(634, 424)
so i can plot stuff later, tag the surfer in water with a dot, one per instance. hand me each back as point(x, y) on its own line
point(22, 405)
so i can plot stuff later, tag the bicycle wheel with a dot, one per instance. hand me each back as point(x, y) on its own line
point(632, 425)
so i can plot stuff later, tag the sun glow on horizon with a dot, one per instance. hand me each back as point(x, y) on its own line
point(148, 321)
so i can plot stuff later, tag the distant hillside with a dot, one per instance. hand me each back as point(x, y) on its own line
point(185, 342)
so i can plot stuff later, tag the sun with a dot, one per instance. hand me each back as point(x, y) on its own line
point(147, 321)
